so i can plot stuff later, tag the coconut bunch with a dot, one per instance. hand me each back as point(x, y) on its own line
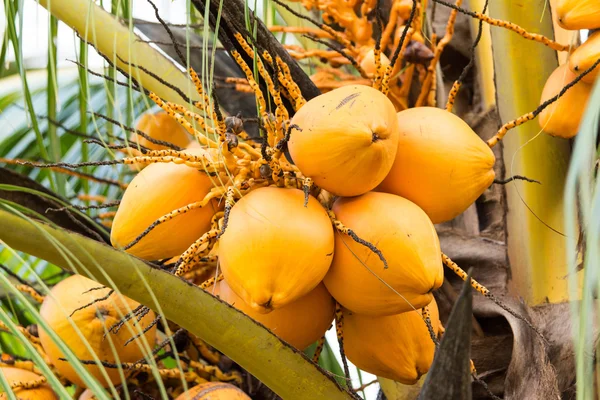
point(358, 233)
point(563, 117)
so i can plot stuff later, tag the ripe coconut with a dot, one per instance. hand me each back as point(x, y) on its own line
point(300, 323)
point(404, 234)
point(275, 250)
point(92, 322)
point(585, 56)
point(348, 139)
point(562, 118)
point(397, 347)
point(14, 375)
point(214, 391)
point(156, 191)
point(441, 164)
point(578, 14)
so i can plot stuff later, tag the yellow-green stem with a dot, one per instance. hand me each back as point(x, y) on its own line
point(114, 39)
point(535, 226)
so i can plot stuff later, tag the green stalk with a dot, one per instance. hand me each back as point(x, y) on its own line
point(287, 371)
point(83, 118)
point(126, 14)
point(52, 95)
point(535, 222)
point(3, 52)
point(111, 87)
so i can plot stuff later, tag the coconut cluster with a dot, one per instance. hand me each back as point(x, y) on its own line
point(369, 244)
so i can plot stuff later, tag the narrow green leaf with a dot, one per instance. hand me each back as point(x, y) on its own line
point(11, 11)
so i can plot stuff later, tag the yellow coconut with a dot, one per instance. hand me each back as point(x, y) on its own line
point(156, 191)
point(585, 56)
point(300, 323)
point(348, 139)
point(578, 14)
point(404, 234)
point(14, 375)
point(441, 164)
point(396, 347)
point(214, 391)
point(92, 322)
point(562, 118)
point(274, 249)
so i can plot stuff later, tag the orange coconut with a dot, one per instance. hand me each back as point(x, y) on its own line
point(14, 375)
point(368, 61)
point(585, 56)
point(348, 139)
point(162, 127)
point(159, 126)
point(441, 165)
point(214, 391)
point(396, 347)
point(404, 9)
point(156, 191)
point(274, 249)
point(578, 14)
point(300, 323)
point(92, 323)
point(409, 243)
point(562, 118)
